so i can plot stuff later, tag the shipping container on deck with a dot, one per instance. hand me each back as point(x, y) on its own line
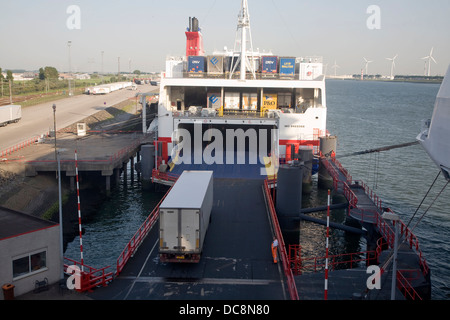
point(249, 101)
point(284, 99)
point(232, 100)
point(175, 67)
point(196, 66)
point(310, 71)
point(287, 67)
point(215, 65)
point(214, 100)
point(269, 66)
point(270, 101)
point(229, 63)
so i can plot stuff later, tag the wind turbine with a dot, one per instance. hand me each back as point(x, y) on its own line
point(367, 65)
point(429, 58)
point(335, 66)
point(392, 65)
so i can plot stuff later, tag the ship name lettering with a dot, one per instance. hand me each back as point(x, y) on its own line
point(295, 126)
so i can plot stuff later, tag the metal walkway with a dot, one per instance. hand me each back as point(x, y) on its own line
point(367, 208)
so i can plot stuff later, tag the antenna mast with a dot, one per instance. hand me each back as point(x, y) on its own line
point(244, 27)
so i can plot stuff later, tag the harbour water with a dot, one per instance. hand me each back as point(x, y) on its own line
point(366, 115)
point(363, 115)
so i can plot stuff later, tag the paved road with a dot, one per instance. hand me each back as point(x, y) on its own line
point(38, 119)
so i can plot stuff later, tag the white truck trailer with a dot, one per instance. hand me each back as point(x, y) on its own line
point(10, 113)
point(184, 217)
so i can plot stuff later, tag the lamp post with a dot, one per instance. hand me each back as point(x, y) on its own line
point(102, 65)
point(394, 218)
point(69, 43)
point(54, 131)
point(58, 175)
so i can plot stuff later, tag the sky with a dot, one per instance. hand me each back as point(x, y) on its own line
point(142, 33)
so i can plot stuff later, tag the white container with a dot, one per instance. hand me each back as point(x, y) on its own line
point(184, 217)
point(10, 113)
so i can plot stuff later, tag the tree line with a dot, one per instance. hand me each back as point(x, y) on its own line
point(46, 80)
point(41, 83)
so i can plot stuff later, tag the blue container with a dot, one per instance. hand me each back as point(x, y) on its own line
point(269, 64)
point(287, 67)
point(196, 64)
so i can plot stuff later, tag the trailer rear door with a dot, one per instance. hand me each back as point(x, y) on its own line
point(190, 230)
point(169, 230)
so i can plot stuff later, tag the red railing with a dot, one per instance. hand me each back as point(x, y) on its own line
point(125, 150)
point(364, 215)
point(347, 175)
point(89, 277)
point(284, 258)
point(405, 286)
point(332, 171)
point(166, 176)
point(388, 232)
point(369, 192)
point(386, 229)
point(316, 264)
point(138, 237)
point(350, 195)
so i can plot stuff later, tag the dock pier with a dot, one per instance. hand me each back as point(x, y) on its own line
point(103, 154)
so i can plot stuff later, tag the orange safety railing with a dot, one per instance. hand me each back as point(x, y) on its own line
point(89, 277)
point(284, 257)
point(20, 146)
point(138, 237)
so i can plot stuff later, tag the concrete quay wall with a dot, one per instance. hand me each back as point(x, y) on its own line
point(107, 153)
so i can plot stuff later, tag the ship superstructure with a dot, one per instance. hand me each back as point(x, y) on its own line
point(281, 99)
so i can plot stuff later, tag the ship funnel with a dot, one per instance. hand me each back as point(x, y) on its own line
point(194, 39)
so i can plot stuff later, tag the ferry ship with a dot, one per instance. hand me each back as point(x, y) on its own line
point(275, 105)
point(262, 109)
